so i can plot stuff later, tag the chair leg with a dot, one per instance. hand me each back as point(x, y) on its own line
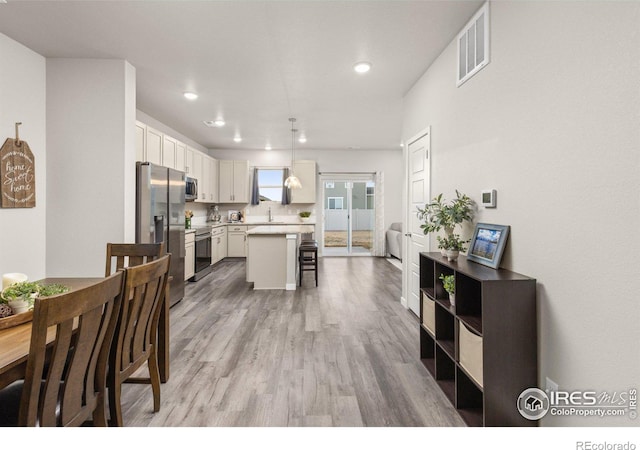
point(154, 375)
point(316, 267)
point(115, 408)
point(99, 415)
point(300, 259)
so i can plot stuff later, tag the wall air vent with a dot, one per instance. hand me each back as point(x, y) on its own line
point(473, 45)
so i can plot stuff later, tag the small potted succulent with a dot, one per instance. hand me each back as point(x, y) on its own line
point(449, 284)
point(304, 215)
point(452, 246)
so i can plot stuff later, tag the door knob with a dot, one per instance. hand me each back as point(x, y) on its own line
point(408, 234)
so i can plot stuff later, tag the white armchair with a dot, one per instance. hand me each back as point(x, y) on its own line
point(394, 240)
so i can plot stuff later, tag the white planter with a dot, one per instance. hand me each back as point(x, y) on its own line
point(452, 255)
point(304, 219)
point(452, 299)
point(19, 306)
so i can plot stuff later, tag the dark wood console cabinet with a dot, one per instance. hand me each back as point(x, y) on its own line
point(482, 352)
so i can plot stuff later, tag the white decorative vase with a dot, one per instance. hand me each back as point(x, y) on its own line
point(19, 306)
point(452, 255)
point(304, 219)
point(452, 299)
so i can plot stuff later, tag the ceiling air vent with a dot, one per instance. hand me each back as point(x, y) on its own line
point(473, 45)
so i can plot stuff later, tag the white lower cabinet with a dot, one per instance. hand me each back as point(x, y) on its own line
point(218, 244)
point(189, 255)
point(237, 241)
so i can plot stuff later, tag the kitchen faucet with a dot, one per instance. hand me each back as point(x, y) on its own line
point(270, 216)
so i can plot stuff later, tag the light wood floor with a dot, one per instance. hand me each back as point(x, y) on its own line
point(343, 354)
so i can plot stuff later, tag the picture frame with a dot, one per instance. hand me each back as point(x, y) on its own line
point(488, 243)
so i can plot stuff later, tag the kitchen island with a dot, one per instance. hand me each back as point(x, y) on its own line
point(272, 255)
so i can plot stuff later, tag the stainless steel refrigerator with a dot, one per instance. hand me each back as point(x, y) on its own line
point(160, 217)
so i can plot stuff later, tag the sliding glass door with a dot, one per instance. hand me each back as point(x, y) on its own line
point(349, 216)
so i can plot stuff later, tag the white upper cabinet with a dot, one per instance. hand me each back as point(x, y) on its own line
point(153, 146)
point(213, 181)
point(141, 141)
point(188, 162)
point(233, 181)
point(169, 149)
point(181, 156)
point(205, 184)
point(306, 173)
point(197, 174)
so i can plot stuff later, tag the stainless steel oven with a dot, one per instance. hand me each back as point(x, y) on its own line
point(203, 253)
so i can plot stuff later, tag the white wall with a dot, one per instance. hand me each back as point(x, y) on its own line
point(22, 99)
point(553, 123)
point(91, 146)
point(388, 161)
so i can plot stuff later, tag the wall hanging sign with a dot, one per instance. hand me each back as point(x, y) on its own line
point(18, 174)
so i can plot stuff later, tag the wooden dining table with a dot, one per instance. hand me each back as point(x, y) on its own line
point(15, 341)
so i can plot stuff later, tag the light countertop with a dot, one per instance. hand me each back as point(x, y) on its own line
point(281, 229)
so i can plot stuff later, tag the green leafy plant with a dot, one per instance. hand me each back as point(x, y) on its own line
point(452, 242)
point(440, 214)
point(304, 213)
point(449, 283)
point(29, 290)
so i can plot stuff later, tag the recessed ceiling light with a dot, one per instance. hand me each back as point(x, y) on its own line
point(214, 123)
point(302, 139)
point(267, 147)
point(190, 95)
point(237, 139)
point(362, 67)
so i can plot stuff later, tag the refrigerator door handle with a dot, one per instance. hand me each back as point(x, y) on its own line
point(158, 228)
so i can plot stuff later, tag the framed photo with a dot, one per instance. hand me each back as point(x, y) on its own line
point(488, 243)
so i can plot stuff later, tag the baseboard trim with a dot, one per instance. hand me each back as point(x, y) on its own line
point(404, 303)
point(290, 287)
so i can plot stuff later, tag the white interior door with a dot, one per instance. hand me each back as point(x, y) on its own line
point(418, 153)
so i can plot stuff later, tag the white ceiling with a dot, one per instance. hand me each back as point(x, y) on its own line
point(256, 63)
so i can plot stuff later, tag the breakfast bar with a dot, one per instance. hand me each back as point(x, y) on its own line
point(272, 255)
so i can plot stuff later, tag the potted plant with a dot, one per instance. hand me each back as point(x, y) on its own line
point(304, 215)
point(449, 284)
point(188, 214)
point(442, 215)
point(21, 296)
point(452, 246)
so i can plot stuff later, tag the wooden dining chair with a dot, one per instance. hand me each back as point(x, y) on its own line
point(120, 256)
point(127, 255)
point(136, 336)
point(71, 390)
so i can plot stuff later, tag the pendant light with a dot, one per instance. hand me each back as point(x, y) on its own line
point(292, 182)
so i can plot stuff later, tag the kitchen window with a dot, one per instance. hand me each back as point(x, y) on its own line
point(270, 184)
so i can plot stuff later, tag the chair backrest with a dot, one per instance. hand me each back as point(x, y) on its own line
point(127, 255)
point(84, 322)
point(137, 329)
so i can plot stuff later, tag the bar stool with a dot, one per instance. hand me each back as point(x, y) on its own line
point(308, 258)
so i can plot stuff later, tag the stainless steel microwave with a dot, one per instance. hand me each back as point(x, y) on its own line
point(191, 189)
